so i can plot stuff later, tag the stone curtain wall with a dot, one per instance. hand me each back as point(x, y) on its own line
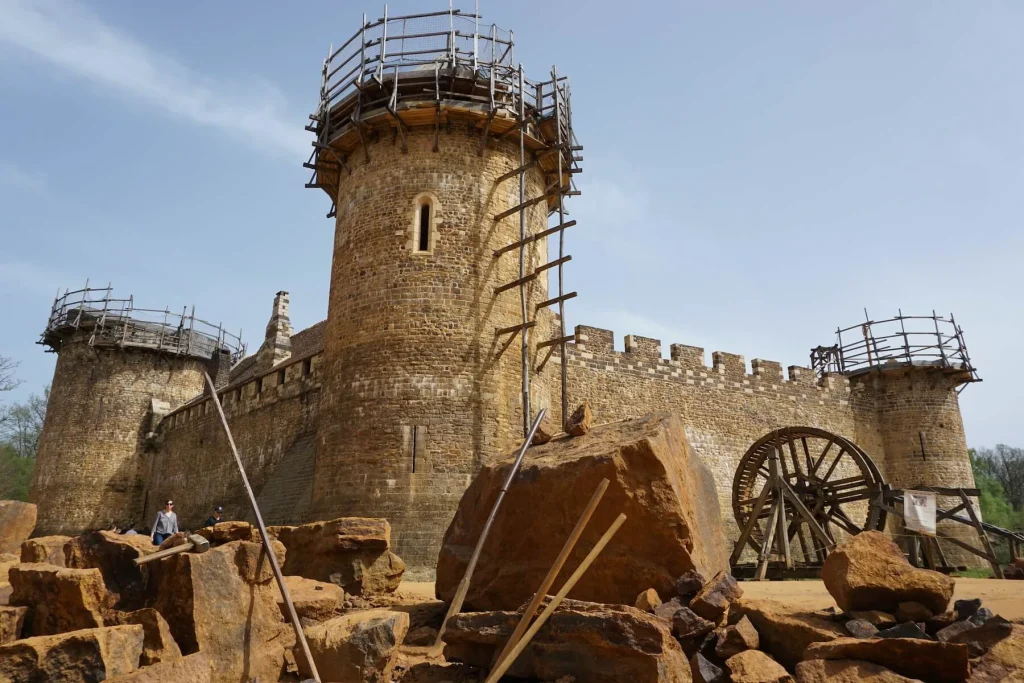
point(274, 427)
point(724, 409)
point(87, 473)
point(411, 356)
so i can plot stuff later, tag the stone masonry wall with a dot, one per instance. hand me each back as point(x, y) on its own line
point(273, 420)
point(418, 389)
point(88, 471)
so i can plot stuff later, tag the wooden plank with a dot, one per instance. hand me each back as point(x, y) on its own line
point(557, 340)
point(515, 283)
point(552, 264)
point(996, 570)
point(745, 535)
point(514, 328)
point(532, 238)
point(564, 297)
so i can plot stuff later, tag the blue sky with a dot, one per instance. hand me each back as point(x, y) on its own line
point(755, 173)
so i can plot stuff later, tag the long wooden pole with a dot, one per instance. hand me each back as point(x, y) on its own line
point(299, 635)
point(463, 589)
point(538, 597)
point(504, 664)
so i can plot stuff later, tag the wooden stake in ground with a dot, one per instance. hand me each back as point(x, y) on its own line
point(463, 589)
point(267, 548)
point(538, 597)
point(503, 666)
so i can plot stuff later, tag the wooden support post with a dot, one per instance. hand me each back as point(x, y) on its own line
point(996, 570)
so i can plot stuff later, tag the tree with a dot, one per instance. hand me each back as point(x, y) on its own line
point(1006, 465)
point(7, 378)
point(22, 423)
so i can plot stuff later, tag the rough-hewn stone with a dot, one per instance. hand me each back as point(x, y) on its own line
point(59, 599)
point(784, 632)
point(869, 571)
point(225, 532)
point(754, 666)
point(592, 642)
point(846, 671)
point(48, 549)
point(874, 617)
point(17, 520)
point(912, 611)
point(221, 603)
point(657, 481)
point(686, 624)
point(357, 647)
point(736, 638)
point(925, 659)
point(157, 644)
point(312, 599)
point(581, 421)
point(690, 583)
point(703, 671)
point(12, 622)
point(1004, 663)
point(113, 554)
point(83, 656)
point(981, 639)
point(713, 600)
point(858, 628)
point(351, 552)
point(194, 668)
point(647, 601)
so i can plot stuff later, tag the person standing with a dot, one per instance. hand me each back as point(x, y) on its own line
point(216, 518)
point(166, 523)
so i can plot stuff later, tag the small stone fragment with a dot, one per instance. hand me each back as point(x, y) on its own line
point(712, 601)
point(546, 431)
point(12, 621)
point(859, 628)
point(648, 600)
point(912, 611)
point(737, 638)
point(907, 629)
point(686, 624)
point(174, 540)
point(946, 634)
point(965, 609)
point(581, 420)
point(939, 622)
point(667, 610)
point(874, 617)
point(421, 636)
point(690, 583)
point(703, 671)
point(981, 639)
point(981, 616)
point(754, 666)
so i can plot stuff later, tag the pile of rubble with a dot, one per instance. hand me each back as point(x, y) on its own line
point(82, 609)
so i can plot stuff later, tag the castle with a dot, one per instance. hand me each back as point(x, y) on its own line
point(447, 171)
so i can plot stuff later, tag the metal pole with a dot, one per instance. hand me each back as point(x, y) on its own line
point(525, 332)
point(263, 534)
point(460, 593)
point(561, 252)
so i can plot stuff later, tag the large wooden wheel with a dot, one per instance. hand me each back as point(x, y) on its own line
point(803, 484)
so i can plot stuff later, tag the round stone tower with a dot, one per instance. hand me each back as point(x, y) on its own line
point(119, 369)
point(443, 168)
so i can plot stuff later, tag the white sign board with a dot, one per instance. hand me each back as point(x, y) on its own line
point(919, 512)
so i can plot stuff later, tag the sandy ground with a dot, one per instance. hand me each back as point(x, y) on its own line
point(1005, 598)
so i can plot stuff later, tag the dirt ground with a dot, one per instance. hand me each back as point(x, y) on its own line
point(1005, 598)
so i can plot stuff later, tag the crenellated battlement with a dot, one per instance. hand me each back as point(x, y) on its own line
point(685, 363)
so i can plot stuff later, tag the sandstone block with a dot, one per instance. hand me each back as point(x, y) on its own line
point(736, 638)
point(112, 554)
point(546, 431)
point(194, 668)
point(356, 647)
point(667, 493)
point(875, 617)
point(594, 643)
point(981, 639)
point(647, 600)
point(351, 552)
point(48, 549)
point(846, 671)
point(924, 659)
point(7, 560)
point(221, 603)
point(1004, 663)
point(421, 636)
point(225, 532)
point(581, 421)
point(713, 600)
point(157, 643)
point(785, 633)
point(912, 611)
point(12, 622)
point(314, 600)
point(754, 666)
point(869, 571)
point(59, 599)
point(83, 656)
point(17, 521)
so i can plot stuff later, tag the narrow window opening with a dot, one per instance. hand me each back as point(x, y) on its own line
point(307, 367)
point(424, 227)
point(238, 394)
point(259, 386)
point(414, 429)
point(280, 377)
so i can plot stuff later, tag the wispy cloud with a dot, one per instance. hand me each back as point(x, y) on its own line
point(73, 39)
point(21, 179)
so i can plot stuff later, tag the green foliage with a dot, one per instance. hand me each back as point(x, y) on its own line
point(15, 474)
point(977, 573)
point(996, 507)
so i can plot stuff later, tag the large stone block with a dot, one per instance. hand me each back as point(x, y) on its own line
point(351, 552)
point(48, 549)
point(912, 657)
point(846, 671)
point(17, 520)
point(359, 647)
point(113, 554)
point(869, 572)
point(158, 644)
point(667, 493)
point(221, 603)
point(192, 669)
point(590, 642)
point(786, 632)
point(12, 621)
point(312, 599)
point(59, 599)
point(84, 656)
